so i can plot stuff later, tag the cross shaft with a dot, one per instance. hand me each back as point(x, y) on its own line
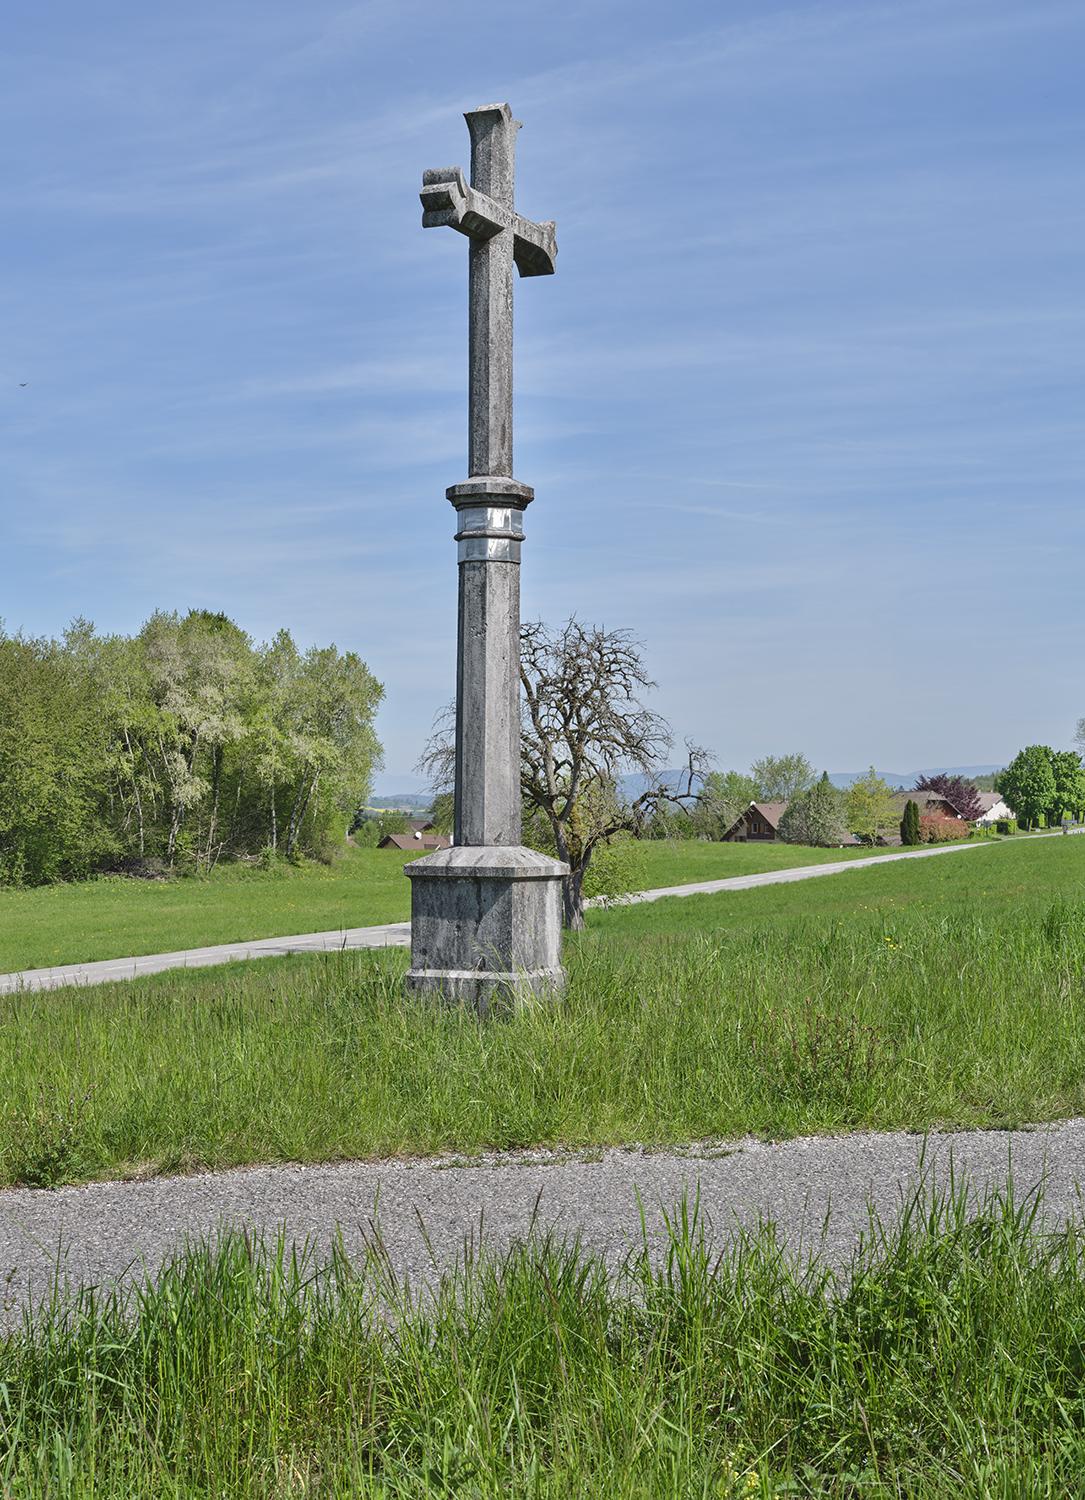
point(499, 238)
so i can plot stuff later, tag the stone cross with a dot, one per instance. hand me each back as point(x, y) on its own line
point(485, 915)
point(498, 237)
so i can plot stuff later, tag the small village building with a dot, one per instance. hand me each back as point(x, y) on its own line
point(994, 809)
point(760, 823)
point(419, 842)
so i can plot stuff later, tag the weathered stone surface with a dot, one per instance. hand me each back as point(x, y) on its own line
point(479, 925)
point(488, 705)
point(483, 921)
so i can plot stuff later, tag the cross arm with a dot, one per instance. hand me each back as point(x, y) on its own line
point(447, 198)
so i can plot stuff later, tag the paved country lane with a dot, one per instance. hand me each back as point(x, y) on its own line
point(103, 1232)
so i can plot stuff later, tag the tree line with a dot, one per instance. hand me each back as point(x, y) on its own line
point(178, 747)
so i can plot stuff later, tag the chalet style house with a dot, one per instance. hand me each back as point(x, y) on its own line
point(758, 824)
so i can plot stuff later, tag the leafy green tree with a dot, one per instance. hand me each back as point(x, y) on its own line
point(909, 824)
point(617, 867)
point(442, 812)
point(199, 669)
point(871, 807)
point(668, 823)
point(185, 743)
point(815, 816)
point(1069, 798)
point(1028, 783)
point(332, 750)
point(116, 671)
point(54, 759)
point(780, 777)
point(379, 825)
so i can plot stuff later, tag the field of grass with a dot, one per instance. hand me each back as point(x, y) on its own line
point(117, 916)
point(945, 1362)
point(946, 991)
point(686, 861)
point(995, 877)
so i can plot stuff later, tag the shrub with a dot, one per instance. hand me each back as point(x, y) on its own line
point(48, 1141)
point(617, 867)
point(1006, 825)
point(937, 828)
point(909, 824)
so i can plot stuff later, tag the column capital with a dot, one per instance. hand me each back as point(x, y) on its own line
point(490, 489)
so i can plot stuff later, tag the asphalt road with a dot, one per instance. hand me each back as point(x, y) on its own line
point(398, 934)
point(106, 1232)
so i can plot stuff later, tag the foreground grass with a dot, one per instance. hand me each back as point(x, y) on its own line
point(947, 1361)
point(958, 1008)
point(117, 917)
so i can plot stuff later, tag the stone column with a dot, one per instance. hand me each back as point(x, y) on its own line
point(486, 914)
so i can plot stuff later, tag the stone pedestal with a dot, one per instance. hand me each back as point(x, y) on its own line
point(486, 925)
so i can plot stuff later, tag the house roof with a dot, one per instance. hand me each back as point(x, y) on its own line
point(415, 841)
point(928, 803)
point(987, 800)
point(420, 825)
point(772, 812)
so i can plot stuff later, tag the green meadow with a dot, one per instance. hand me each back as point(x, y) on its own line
point(924, 993)
point(117, 916)
point(945, 1360)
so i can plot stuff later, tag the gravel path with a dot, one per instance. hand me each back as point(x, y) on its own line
point(101, 1232)
point(398, 934)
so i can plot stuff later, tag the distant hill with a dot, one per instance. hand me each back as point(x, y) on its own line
point(906, 779)
point(405, 801)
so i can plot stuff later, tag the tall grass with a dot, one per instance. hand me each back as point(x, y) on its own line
point(891, 1019)
point(948, 1360)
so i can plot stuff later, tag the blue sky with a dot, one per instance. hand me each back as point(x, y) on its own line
point(803, 405)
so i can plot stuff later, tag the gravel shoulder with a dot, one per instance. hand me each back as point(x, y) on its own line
point(816, 1190)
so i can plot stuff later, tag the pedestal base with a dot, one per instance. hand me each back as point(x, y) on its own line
point(485, 925)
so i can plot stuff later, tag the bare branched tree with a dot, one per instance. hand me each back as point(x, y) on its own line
point(584, 727)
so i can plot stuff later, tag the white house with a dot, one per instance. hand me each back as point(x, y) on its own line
point(993, 809)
